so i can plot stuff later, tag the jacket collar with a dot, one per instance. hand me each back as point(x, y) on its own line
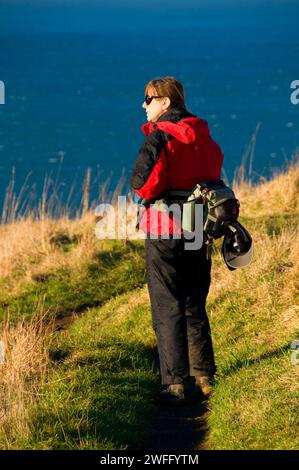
point(175, 115)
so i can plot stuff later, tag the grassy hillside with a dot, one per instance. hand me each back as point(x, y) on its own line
point(79, 370)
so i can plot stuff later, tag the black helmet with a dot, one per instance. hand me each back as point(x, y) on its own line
point(237, 247)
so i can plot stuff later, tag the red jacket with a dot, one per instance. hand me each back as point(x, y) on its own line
point(177, 153)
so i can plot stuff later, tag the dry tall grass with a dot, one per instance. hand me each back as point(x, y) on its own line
point(22, 374)
point(29, 246)
point(280, 195)
point(27, 237)
point(272, 277)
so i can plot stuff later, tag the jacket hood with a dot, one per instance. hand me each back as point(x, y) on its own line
point(179, 123)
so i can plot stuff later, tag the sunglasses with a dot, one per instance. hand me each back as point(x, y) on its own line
point(149, 99)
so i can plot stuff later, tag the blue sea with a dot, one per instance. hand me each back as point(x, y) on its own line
point(74, 74)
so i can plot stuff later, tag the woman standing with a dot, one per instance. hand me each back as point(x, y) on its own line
point(177, 153)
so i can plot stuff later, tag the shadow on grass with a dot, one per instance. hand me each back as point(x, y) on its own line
point(240, 364)
point(66, 294)
point(108, 259)
point(108, 401)
point(106, 404)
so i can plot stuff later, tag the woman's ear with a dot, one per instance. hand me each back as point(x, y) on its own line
point(166, 103)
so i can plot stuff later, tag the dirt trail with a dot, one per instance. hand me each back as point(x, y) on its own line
point(179, 429)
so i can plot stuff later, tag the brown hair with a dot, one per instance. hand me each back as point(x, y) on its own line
point(168, 87)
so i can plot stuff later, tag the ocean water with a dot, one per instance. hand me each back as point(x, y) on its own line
point(74, 79)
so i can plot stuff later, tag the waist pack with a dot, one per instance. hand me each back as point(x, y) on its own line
point(220, 214)
point(220, 208)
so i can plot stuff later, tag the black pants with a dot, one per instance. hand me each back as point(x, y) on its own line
point(178, 283)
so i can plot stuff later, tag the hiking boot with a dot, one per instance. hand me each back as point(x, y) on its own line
point(203, 384)
point(173, 395)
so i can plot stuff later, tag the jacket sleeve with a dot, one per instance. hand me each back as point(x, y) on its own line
point(149, 177)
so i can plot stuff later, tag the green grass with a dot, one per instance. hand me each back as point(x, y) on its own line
point(272, 224)
point(114, 270)
point(102, 382)
point(252, 407)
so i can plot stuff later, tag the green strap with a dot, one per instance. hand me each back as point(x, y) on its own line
point(211, 217)
point(231, 227)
